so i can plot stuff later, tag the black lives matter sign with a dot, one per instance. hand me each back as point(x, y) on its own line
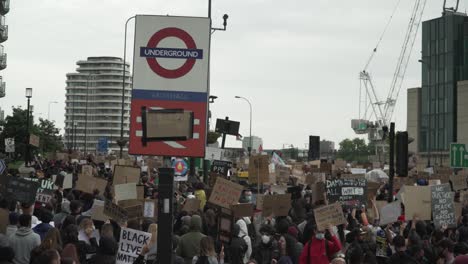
point(351, 193)
point(130, 245)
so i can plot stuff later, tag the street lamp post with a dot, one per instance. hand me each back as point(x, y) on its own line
point(121, 142)
point(429, 116)
point(48, 109)
point(250, 133)
point(26, 154)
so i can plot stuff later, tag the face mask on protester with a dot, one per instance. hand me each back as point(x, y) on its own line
point(248, 198)
point(320, 236)
point(265, 239)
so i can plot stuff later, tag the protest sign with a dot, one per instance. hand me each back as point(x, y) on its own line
point(326, 168)
point(276, 205)
point(115, 212)
point(221, 167)
point(134, 208)
point(21, 190)
point(125, 191)
point(435, 182)
point(258, 169)
point(225, 193)
point(358, 171)
point(329, 214)
point(64, 181)
point(241, 210)
point(282, 173)
point(259, 205)
point(458, 182)
point(130, 244)
point(150, 208)
point(318, 192)
point(353, 176)
point(4, 220)
point(340, 164)
point(417, 201)
point(463, 196)
point(87, 170)
point(349, 192)
point(372, 188)
point(458, 210)
point(62, 156)
point(191, 205)
point(389, 213)
point(97, 211)
point(89, 184)
point(126, 174)
point(443, 209)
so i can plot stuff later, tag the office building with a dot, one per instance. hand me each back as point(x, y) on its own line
point(94, 102)
point(4, 9)
point(256, 143)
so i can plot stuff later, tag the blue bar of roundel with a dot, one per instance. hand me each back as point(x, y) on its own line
point(169, 95)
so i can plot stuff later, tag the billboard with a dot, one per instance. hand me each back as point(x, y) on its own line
point(170, 76)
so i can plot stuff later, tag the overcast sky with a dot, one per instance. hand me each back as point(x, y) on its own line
point(297, 61)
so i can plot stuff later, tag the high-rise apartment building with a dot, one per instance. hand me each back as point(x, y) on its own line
point(94, 101)
point(4, 9)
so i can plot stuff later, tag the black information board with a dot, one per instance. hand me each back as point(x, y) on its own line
point(351, 193)
point(221, 167)
point(443, 209)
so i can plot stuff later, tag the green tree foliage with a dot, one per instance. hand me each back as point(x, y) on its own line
point(14, 126)
point(355, 150)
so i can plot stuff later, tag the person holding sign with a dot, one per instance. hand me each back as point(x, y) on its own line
point(319, 250)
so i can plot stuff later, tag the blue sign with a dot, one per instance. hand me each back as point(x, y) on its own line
point(2, 166)
point(103, 145)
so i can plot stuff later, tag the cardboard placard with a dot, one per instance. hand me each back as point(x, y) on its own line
point(21, 190)
point(282, 174)
point(259, 205)
point(134, 211)
point(458, 182)
point(150, 208)
point(435, 182)
point(443, 209)
point(97, 211)
point(389, 213)
point(417, 201)
point(340, 164)
point(351, 193)
point(318, 192)
point(463, 196)
point(276, 205)
point(458, 210)
point(140, 192)
point(329, 214)
point(4, 220)
point(115, 212)
point(89, 184)
point(64, 181)
point(191, 205)
point(87, 170)
point(225, 193)
point(125, 191)
point(62, 156)
point(326, 168)
point(241, 210)
point(258, 169)
point(131, 243)
point(126, 174)
point(372, 188)
point(358, 171)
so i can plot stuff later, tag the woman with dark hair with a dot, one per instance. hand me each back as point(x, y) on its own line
point(50, 256)
point(51, 241)
point(207, 253)
point(210, 225)
point(106, 251)
point(71, 243)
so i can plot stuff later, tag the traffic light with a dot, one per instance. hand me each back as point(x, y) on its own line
point(402, 154)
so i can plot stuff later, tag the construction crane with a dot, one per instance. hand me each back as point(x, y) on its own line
point(370, 106)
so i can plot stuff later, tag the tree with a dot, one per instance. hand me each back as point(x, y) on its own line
point(14, 126)
point(354, 150)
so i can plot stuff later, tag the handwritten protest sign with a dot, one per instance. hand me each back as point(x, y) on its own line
point(390, 213)
point(130, 244)
point(115, 212)
point(87, 170)
point(97, 211)
point(125, 191)
point(21, 190)
point(241, 210)
point(191, 205)
point(349, 192)
point(225, 193)
point(458, 182)
point(417, 201)
point(443, 209)
point(134, 208)
point(277, 205)
point(329, 214)
point(89, 184)
point(150, 208)
point(126, 174)
point(45, 192)
point(258, 169)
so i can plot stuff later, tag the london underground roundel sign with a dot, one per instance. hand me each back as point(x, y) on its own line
point(152, 52)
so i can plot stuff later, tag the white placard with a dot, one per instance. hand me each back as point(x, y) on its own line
point(358, 171)
point(130, 244)
point(148, 210)
point(390, 213)
point(126, 191)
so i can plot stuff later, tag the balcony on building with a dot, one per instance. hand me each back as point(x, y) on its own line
point(3, 58)
point(4, 7)
point(3, 29)
point(2, 87)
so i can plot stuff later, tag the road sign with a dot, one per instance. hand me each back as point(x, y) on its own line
point(2, 166)
point(103, 145)
point(9, 145)
point(34, 140)
point(171, 57)
point(458, 156)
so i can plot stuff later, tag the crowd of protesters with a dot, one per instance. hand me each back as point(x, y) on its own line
point(61, 231)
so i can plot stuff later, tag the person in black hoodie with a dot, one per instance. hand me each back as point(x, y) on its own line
point(70, 236)
point(106, 251)
point(267, 248)
point(237, 248)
